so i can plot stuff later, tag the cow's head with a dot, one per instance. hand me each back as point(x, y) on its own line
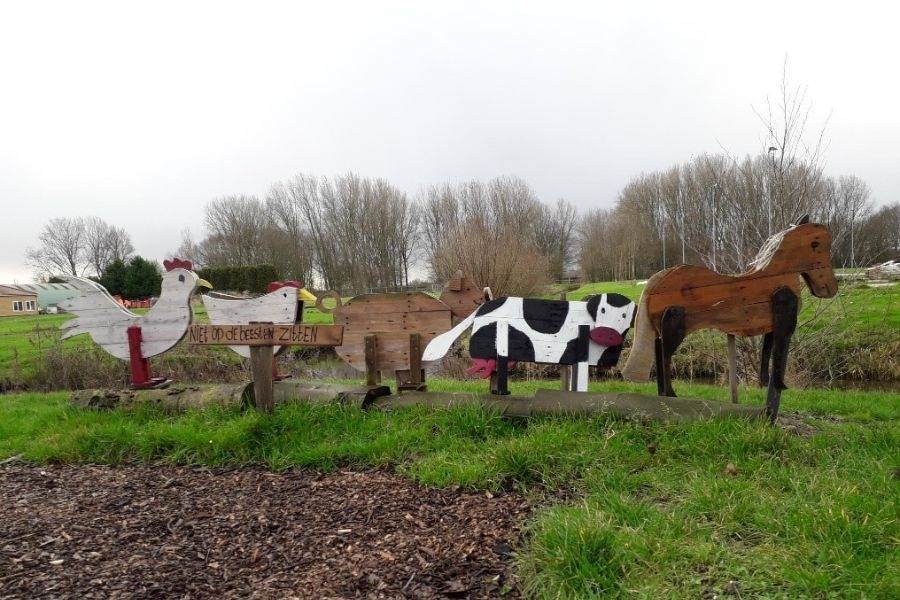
point(613, 315)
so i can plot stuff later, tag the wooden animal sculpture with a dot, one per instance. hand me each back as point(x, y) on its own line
point(129, 336)
point(556, 332)
point(283, 304)
point(387, 332)
point(764, 300)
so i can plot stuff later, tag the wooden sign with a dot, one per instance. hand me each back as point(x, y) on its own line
point(262, 339)
point(260, 334)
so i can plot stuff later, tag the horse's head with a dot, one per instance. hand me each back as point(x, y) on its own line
point(812, 244)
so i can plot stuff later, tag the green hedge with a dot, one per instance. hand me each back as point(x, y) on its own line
point(252, 278)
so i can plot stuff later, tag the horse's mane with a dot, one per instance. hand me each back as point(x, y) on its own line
point(768, 250)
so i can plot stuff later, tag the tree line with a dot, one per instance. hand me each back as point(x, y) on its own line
point(352, 233)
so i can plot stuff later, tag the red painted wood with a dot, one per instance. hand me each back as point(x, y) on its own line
point(140, 366)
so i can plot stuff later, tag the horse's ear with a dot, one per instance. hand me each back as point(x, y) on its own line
point(802, 220)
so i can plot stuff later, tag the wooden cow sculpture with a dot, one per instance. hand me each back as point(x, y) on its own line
point(543, 331)
point(764, 300)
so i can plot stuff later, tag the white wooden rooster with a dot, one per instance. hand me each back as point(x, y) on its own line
point(279, 306)
point(163, 326)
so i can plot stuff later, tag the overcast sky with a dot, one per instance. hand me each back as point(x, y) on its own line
point(140, 113)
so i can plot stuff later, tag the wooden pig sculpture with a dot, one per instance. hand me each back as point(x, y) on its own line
point(385, 333)
point(556, 332)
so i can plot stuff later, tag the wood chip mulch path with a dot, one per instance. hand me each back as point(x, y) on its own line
point(155, 532)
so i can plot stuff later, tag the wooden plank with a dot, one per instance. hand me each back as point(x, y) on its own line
point(373, 375)
point(416, 375)
point(261, 359)
point(265, 335)
point(392, 318)
point(462, 296)
point(641, 407)
point(732, 368)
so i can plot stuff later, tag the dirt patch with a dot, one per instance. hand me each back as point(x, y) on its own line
point(91, 532)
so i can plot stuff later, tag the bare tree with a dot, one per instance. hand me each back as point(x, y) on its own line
point(555, 236)
point(104, 243)
point(61, 250)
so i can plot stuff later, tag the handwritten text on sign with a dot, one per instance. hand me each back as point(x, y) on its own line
point(266, 335)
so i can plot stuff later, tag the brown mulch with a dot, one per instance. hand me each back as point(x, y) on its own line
point(140, 531)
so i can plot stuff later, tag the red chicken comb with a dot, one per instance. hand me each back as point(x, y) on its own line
point(280, 284)
point(178, 263)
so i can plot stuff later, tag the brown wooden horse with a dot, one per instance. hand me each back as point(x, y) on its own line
point(764, 300)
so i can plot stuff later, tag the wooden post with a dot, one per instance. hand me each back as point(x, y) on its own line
point(732, 368)
point(565, 371)
point(373, 376)
point(262, 360)
point(416, 374)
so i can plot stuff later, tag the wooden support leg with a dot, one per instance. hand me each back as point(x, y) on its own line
point(373, 375)
point(732, 368)
point(565, 377)
point(672, 332)
point(659, 361)
point(765, 359)
point(414, 378)
point(785, 305)
point(502, 376)
point(261, 360)
point(140, 366)
point(502, 380)
point(580, 376)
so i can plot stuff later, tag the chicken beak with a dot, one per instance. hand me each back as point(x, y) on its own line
point(303, 294)
point(204, 284)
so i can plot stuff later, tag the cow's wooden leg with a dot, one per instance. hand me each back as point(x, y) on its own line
point(764, 360)
point(672, 332)
point(580, 377)
point(502, 344)
point(785, 306)
point(502, 376)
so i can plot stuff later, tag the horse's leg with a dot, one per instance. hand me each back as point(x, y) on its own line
point(660, 376)
point(785, 305)
point(672, 331)
point(764, 360)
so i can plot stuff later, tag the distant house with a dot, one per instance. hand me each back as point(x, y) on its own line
point(15, 302)
point(49, 294)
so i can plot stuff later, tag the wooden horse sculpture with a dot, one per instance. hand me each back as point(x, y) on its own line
point(764, 300)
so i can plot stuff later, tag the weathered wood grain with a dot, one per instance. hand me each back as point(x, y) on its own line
point(462, 296)
point(279, 306)
point(100, 316)
point(265, 335)
point(391, 318)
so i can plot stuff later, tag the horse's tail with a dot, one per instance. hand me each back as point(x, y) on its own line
point(640, 359)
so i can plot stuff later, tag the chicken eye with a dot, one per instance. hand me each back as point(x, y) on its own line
point(181, 278)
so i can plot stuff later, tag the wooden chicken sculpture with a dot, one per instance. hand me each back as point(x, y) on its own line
point(130, 336)
point(282, 305)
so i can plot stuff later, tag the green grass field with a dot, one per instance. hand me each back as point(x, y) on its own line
point(802, 516)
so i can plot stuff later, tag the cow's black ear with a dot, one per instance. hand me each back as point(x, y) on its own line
point(618, 300)
point(610, 357)
point(593, 302)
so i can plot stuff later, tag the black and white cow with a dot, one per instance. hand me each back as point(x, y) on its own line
point(556, 332)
